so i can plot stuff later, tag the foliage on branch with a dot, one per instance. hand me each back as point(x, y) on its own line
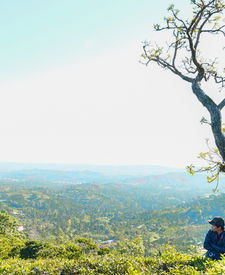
point(183, 56)
point(215, 167)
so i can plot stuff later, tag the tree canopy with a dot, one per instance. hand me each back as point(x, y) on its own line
point(8, 224)
point(183, 56)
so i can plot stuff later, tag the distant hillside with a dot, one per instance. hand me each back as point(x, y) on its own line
point(182, 181)
point(129, 170)
point(176, 180)
point(114, 211)
point(54, 176)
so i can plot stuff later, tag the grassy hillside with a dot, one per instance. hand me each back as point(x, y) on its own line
point(113, 211)
point(68, 227)
point(72, 255)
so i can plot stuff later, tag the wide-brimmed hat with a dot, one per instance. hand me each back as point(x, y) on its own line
point(217, 221)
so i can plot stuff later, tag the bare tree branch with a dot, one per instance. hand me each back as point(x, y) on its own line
point(216, 30)
point(183, 53)
point(222, 104)
point(200, 31)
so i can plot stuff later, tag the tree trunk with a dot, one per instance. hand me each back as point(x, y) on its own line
point(214, 110)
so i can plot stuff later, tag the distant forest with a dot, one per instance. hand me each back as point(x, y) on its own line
point(161, 209)
point(84, 222)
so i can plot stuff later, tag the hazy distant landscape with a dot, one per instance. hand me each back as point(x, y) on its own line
point(108, 208)
point(49, 197)
point(135, 170)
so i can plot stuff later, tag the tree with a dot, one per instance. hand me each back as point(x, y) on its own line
point(184, 58)
point(8, 224)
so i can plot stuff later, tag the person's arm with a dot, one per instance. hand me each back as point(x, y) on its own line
point(208, 244)
point(220, 249)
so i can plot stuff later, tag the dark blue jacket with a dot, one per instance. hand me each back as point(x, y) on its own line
point(215, 243)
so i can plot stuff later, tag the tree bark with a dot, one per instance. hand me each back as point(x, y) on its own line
point(215, 114)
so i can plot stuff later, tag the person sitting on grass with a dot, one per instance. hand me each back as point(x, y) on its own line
point(215, 239)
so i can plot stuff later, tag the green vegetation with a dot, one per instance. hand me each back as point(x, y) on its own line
point(20, 255)
point(133, 227)
point(109, 212)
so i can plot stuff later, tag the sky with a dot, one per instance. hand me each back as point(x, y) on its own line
point(73, 90)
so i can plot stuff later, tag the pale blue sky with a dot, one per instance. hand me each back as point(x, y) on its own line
point(40, 34)
point(72, 90)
